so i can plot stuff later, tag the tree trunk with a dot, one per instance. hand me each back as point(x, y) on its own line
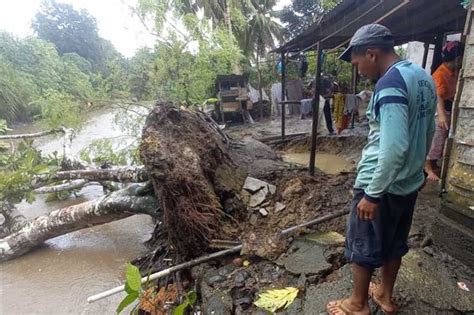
point(227, 18)
point(188, 162)
point(259, 78)
point(122, 174)
point(118, 205)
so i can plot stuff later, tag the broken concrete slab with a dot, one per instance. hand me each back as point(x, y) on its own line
point(317, 296)
point(253, 185)
point(306, 257)
point(325, 239)
point(258, 198)
point(429, 282)
point(263, 212)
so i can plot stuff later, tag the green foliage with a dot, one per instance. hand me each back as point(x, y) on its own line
point(189, 300)
point(301, 14)
point(133, 287)
point(17, 168)
point(3, 126)
point(184, 70)
point(59, 109)
point(105, 151)
point(69, 30)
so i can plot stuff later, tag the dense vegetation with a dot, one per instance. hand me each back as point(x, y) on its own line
point(67, 68)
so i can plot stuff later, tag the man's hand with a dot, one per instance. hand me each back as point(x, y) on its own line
point(366, 210)
point(443, 121)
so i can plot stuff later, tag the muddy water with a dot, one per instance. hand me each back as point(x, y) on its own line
point(328, 163)
point(58, 277)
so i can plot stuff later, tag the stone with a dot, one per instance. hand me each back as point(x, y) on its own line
point(215, 280)
point(238, 262)
point(258, 198)
point(324, 239)
point(240, 278)
point(253, 219)
point(428, 250)
point(295, 188)
point(279, 206)
point(263, 212)
point(308, 259)
point(253, 185)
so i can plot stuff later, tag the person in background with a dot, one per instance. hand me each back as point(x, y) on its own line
point(390, 172)
point(445, 78)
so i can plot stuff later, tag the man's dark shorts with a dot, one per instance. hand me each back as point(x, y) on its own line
point(370, 243)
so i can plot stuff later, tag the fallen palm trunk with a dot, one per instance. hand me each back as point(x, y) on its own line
point(115, 206)
point(123, 175)
point(212, 256)
point(32, 135)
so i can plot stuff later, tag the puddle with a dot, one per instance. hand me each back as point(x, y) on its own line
point(328, 163)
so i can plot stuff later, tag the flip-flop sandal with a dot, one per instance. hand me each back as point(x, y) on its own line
point(372, 289)
point(336, 307)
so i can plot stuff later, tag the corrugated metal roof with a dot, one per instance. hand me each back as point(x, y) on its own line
point(409, 20)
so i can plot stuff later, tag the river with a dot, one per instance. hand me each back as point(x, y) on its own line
point(57, 277)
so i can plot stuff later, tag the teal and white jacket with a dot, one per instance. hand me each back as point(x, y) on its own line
point(401, 120)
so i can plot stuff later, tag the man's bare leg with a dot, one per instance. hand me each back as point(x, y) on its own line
point(357, 303)
point(383, 293)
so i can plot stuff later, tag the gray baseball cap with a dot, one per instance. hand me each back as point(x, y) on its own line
point(372, 35)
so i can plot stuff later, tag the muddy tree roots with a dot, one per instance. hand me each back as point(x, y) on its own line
point(186, 158)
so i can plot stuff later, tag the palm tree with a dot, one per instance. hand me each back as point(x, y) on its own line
point(262, 31)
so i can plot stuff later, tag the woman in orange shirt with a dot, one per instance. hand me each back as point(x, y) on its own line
point(445, 78)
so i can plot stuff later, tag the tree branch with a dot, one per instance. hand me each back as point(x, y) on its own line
point(61, 187)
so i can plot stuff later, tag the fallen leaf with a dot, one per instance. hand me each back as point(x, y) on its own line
point(273, 300)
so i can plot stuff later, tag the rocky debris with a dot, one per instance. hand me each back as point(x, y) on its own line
point(263, 212)
point(295, 187)
point(253, 185)
point(258, 198)
point(279, 207)
point(265, 246)
point(257, 192)
point(305, 258)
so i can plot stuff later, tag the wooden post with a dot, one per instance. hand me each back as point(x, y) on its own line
point(425, 55)
point(317, 92)
point(283, 77)
point(437, 53)
point(354, 79)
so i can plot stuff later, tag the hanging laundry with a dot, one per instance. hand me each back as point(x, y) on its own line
point(351, 104)
point(338, 110)
point(341, 120)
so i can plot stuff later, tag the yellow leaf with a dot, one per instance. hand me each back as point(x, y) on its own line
point(246, 263)
point(273, 300)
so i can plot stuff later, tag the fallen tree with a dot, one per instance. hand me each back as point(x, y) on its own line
point(115, 206)
point(194, 170)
